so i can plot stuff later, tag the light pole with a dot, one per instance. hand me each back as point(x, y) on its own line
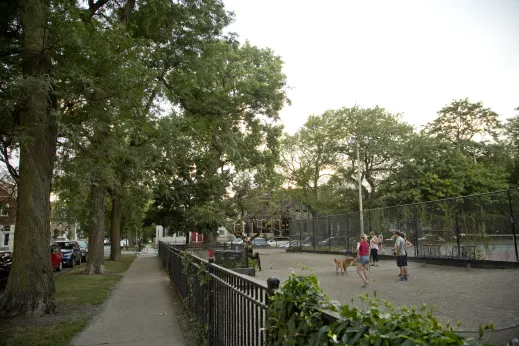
point(360, 190)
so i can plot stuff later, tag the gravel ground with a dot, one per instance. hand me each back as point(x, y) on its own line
point(476, 296)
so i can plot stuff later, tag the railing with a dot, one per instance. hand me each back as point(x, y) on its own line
point(480, 227)
point(232, 308)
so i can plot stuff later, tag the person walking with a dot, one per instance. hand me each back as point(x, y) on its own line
point(363, 259)
point(401, 258)
point(373, 245)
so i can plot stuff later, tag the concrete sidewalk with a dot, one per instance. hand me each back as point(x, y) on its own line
point(139, 311)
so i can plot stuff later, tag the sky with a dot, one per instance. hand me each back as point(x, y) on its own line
point(410, 57)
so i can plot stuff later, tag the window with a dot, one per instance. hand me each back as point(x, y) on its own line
point(7, 228)
point(6, 239)
point(180, 234)
point(4, 209)
point(164, 230)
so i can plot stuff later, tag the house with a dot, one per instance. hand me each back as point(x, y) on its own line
point(166, 235)
point(7, 215)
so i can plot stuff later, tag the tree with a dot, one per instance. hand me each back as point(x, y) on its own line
point(462, 121)
point(512, 142)
point(435, 169)
point(30, 289)
point(382, 138)
point(231, 95)
point(309, 158)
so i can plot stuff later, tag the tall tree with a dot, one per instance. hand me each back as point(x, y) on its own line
point(512, 142)
point(382, 139)
point(30, 289)
point(434, 169)
point(462, 121)
point(309, 158)
point(231, 95)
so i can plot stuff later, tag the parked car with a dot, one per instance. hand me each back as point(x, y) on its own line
point(431, 238)
point(237, 241)
point(296, 243)
point(6, 260)
point(333, 241)
point(56, 257)
point(278, 241)
point(71, 252)
point(259, 242)
point(83, 246)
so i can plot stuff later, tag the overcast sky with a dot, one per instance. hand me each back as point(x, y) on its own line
point(410, 57)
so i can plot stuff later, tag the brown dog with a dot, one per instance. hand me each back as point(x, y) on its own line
point(343, 265)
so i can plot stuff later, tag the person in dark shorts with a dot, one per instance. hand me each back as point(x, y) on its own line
point(373, 244)
point(401, 258)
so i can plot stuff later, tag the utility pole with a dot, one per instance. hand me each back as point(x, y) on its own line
point(360, 190)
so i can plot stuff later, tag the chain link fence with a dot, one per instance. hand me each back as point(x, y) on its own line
point(478, 227)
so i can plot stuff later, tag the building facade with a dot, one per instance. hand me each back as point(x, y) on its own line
point(7, 215)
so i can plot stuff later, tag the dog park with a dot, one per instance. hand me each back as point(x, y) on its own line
point(473, 296)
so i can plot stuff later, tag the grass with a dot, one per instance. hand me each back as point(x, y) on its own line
point(76, 289)
point(59, 333)
point(77, 297)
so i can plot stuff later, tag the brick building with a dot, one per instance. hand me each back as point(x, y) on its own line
point(7, 215)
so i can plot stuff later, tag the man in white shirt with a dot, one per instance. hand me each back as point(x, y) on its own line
point(401, 258)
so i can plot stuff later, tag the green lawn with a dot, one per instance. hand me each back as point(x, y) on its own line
point(73, 289)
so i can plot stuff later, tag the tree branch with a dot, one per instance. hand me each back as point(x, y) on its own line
point(95, 6)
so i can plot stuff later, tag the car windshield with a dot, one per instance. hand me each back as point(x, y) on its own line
point(257, 241)
point(82, 244)
point(67, 246)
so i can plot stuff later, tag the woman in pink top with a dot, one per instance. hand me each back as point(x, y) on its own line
point(363, 259)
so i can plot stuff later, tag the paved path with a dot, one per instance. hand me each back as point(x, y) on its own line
point(139, 311)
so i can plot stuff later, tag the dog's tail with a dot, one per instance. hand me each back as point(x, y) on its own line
point(335, 260)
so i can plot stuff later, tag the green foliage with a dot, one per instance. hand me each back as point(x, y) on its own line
point(433, 169)
point(461, 120)
point(295, 317)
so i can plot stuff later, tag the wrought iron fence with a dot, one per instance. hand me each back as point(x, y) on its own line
point(480, 227)
point(231, 307)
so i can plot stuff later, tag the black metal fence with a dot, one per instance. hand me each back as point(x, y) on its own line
point(231, 307)
point(480, 227)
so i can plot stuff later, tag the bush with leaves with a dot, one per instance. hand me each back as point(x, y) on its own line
point(295, 317)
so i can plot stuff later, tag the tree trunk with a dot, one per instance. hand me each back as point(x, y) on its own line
point(96, 231)
point(30, 289)
point(115, 228)
point(209, 238)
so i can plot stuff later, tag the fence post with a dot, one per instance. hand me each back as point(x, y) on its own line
point(301, 235)
point(329, 234)
point(300, 226)
point(313, 233)
point(369, 220)
point(398, 218)
point(348, 232)
point(512, 224)
point(457, 229)
point(415, 221)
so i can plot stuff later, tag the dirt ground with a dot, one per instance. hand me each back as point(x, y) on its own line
point(475, 296)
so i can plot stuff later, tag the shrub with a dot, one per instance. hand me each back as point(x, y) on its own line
point(295, 317)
